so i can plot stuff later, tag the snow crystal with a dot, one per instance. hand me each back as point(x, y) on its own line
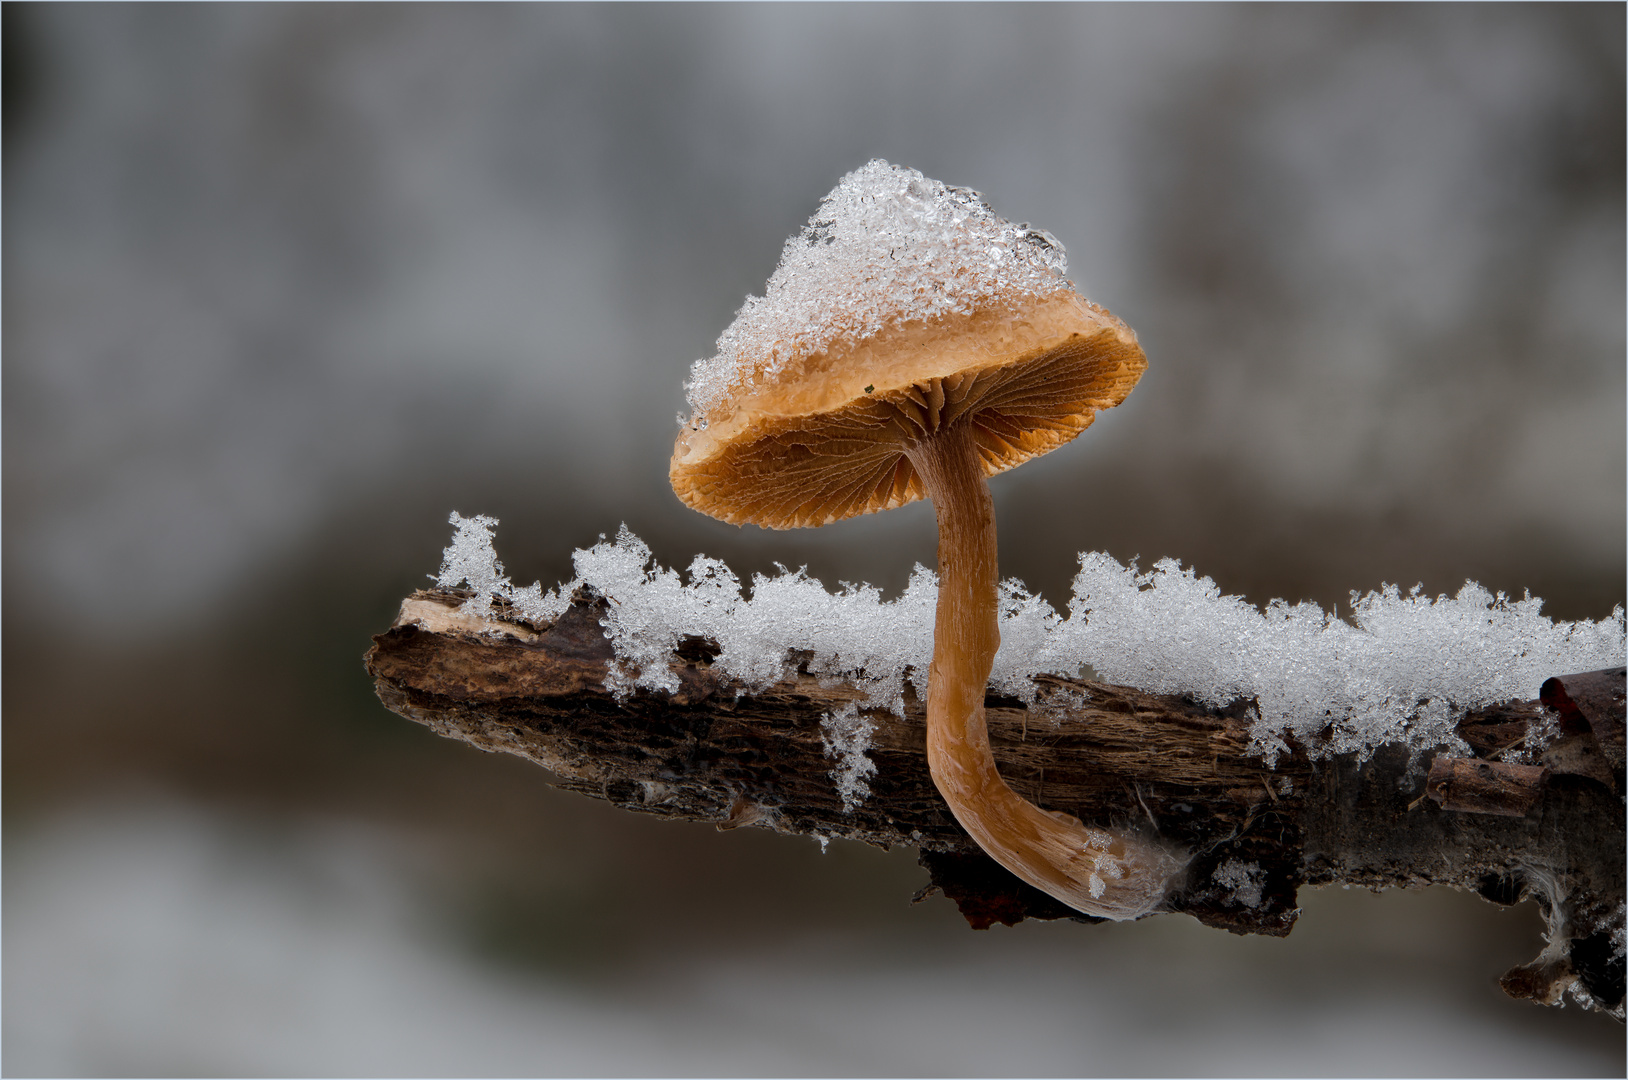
point(853, 636)
point(887, 246)
point(470, 558)
point(847, 737)
point(1103, 865)
point(1541, 731)
point(1243, 880)
point(1400, 671)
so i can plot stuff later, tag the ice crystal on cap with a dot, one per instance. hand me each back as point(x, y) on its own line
point(887, 247)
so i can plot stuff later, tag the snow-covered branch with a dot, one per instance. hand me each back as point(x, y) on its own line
point(1431, 759)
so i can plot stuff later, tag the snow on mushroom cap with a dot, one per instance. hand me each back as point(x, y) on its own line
point(887, 247)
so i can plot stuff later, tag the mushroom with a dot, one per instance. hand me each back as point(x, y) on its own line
point(912, 343)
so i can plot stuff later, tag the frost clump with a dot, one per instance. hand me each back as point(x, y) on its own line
point(1242, 880)
point(470, 559)
point(847, 737)
point(1402, 670)
point(887, 246)
point(853, 636)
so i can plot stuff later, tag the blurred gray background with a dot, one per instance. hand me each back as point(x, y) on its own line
point(284, 285)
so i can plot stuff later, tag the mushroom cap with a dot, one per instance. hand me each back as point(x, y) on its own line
point(904, 306)
point(832, 444)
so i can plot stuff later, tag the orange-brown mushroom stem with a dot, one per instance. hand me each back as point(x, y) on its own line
point(1107, 873)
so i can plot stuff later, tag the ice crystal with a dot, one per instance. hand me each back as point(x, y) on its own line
point(1103, 865)
point(887, 247)
point(847, 736)
point(1541, 731)
point(1402, 670)
point(471, 559)
point(1242, 881)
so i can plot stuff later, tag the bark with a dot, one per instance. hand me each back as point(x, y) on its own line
point(1110, 755)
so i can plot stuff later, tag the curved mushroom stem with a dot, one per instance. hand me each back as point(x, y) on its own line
point(1109, 874)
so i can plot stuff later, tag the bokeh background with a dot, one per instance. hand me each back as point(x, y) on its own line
point(284, 285)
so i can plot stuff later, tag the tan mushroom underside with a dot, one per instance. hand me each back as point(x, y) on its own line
point(932, 411)
point(817, 447)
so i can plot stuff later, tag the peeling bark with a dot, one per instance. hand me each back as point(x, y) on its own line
point(1110, 755)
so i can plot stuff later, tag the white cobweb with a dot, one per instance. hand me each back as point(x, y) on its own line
point(887, 246)
point(1402, 670)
